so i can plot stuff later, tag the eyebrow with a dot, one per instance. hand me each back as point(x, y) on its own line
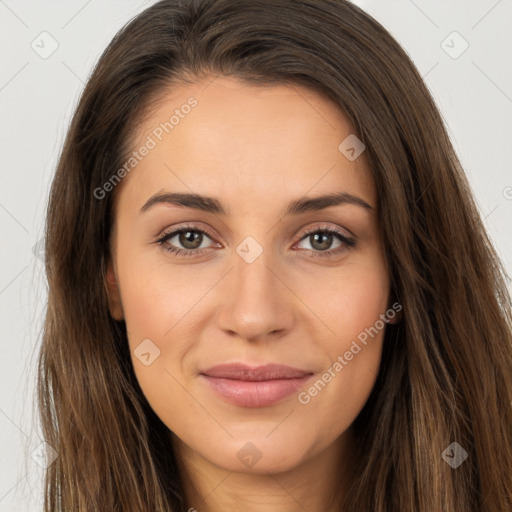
point(297, 207)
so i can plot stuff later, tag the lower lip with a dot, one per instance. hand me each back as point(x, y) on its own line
point(255, 394)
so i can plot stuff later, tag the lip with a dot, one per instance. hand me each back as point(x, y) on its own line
point(260, 386)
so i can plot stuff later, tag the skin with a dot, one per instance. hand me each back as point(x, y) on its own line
point(255, 149)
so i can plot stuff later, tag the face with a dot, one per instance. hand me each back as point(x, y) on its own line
point(245, 277)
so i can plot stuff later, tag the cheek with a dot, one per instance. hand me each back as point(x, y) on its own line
point(347, 300)
point(163, 313)
point(154, 309)
point(156, 296)
point(350, 308)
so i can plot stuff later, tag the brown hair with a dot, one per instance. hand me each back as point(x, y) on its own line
point(447, 367)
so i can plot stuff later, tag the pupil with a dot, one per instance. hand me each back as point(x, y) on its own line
point(325, 244)
point(192, 237)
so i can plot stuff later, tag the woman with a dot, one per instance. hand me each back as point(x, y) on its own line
point(269, 285)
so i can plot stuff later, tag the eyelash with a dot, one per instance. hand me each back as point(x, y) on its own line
point(348, 242)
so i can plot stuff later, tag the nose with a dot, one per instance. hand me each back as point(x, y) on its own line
point(256, 301)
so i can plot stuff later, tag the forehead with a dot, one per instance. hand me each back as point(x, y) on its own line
point(223, 137)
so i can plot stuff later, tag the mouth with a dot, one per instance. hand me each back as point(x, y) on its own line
point(260, 386)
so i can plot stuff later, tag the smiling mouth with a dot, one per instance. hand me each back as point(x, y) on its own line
point(246, 386)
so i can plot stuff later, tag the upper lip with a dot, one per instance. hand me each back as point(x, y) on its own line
point(241, 371)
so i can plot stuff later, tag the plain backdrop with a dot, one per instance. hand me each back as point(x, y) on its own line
point(462, 49)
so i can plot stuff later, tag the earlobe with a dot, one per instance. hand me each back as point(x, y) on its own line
point(396, 310)
point(396, 319)
point(114, 297)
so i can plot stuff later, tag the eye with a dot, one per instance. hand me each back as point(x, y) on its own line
point(189, 237)
point(321, 239)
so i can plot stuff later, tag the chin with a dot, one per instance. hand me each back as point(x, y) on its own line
point(257, 456)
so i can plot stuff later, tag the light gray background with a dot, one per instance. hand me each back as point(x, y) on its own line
point(37, 98)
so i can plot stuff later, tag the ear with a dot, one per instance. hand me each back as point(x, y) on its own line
point(396, 319)
point(395, 307)
point(114, 297)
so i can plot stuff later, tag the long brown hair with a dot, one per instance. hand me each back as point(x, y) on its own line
point(446, 372)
